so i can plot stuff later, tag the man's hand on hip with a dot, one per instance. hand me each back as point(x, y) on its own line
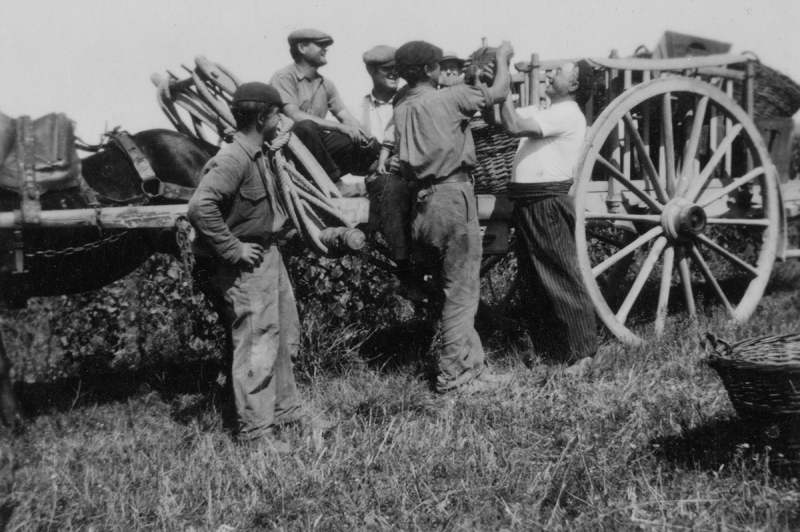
point(252, 254)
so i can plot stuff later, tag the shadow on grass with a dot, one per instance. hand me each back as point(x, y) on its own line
point(91, 388)
point(399, 347)
point(728, 442)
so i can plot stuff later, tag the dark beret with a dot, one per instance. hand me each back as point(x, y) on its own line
point(310, 35)
point(257, 92)
point(417, 53)
point(380, 55)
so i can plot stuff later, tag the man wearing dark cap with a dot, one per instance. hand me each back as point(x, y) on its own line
point(542, 174)
point(237, 216)
point(437, 153)
point(341, 146)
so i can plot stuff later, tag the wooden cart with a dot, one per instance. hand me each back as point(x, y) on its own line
point(682, 198)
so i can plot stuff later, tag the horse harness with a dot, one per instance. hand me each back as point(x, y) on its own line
point(150, 185)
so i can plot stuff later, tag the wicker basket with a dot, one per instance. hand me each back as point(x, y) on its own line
point(762, 376)
point(495, 151)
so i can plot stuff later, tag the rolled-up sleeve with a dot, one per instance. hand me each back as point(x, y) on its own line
point(216, 192)
point(335, 102)
point(470, 98)
point(286, 87)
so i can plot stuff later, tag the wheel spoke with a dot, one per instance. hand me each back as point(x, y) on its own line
point(663, 293)
point(701, 262)
point(619, 244)
point(760, 222)
point(641, 279)
point(627, 250)
point(650, 202)
point(697, 186)
point(669, 143)
point(686, 281)
point(644, 158)
point(738, 182)
point(728, 255)
point(691, 148)
point(646, 218)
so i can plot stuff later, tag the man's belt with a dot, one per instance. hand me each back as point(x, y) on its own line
point(459, 176)
point(265, 240)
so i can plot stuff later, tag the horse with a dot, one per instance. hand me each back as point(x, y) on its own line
point(79, 259)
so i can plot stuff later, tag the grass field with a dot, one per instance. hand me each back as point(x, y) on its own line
point(648, 440)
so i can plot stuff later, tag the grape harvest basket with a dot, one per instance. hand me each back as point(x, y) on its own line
point(762, 377)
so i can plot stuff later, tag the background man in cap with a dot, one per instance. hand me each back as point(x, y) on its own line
point(436, 153)
point(341, 146)
point(542, 175)
point(236, 214)
point(390, 196)
point(374, 110)
point(450, 66)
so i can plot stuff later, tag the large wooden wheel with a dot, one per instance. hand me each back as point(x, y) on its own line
point(675, 193)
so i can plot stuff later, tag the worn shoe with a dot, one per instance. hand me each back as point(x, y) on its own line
point(413, 292)
point(310, 422)
point(496, 378)
point(315, 422)
point(484, 383)
point(579, 368)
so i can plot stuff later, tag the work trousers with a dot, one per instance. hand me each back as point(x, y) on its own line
point(558, 300)
point(390, 202)
point(445, 228)
point(336, 152)
point(258, 309)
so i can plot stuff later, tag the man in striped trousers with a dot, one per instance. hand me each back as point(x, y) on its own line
point(544, 212)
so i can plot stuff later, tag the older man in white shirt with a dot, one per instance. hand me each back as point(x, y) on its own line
point(542, 175)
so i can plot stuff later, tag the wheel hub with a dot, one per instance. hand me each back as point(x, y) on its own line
point(682, 219)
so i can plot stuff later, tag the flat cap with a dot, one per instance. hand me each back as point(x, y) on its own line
point(452, 56)
point(380, 55)
point(257, 92)
point(417, 53)
point(310, 35)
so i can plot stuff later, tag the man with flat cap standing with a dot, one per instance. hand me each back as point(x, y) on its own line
point(542, 175)
point(341, 146)
point(437, 153)
point(237, 216)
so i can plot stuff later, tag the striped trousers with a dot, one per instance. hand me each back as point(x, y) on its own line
point(560, 309)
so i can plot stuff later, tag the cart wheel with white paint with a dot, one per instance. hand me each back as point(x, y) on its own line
point(676, 194)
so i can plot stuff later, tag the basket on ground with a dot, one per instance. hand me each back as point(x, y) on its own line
point(762, 377)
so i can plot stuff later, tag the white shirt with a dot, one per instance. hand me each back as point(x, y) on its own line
point(373, 115)
point(554, 156)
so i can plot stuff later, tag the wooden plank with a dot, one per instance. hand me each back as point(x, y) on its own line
point(355, 210)
point(671, 64)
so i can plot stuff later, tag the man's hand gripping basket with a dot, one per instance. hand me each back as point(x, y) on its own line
point(762, 376)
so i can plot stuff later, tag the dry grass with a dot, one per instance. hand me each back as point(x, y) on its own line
point(647, 440)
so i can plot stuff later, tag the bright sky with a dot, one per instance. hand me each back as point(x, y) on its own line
point(93, 59)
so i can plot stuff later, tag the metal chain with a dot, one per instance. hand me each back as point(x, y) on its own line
point(183, 231)
point(50, 253)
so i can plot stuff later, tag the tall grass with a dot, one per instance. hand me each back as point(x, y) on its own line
point(647, 440)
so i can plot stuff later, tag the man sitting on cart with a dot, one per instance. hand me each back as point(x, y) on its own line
point(341, 146)
point(544, 213)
